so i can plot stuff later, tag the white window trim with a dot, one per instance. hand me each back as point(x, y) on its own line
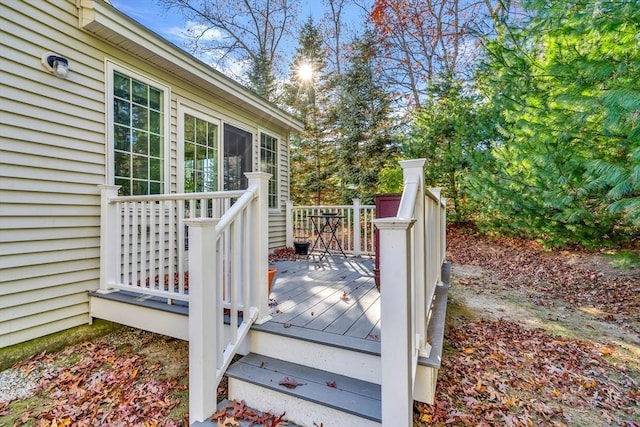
point(267, 132)
point(110, 67)
point(197, 112)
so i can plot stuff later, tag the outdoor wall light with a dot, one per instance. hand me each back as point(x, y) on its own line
point(56, 64)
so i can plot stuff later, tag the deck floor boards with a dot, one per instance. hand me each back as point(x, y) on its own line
point(337, 296)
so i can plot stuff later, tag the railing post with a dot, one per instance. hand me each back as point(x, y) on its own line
point(289, 223)
point(443, 229)
point(397, 346)
point(202, 318)
point(437, 191)
point(109, 237)
point(357, 251)
point(260, 255)
point(413, 171)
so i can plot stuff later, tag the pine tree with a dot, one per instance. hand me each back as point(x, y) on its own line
point(365, 128)
point(566, 83)
point(312, 155)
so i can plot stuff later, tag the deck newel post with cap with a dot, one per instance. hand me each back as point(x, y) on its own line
point(260, 254)
point(109, 237)
point(204, 312)
point(413, 172)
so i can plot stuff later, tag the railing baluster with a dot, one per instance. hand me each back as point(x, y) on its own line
point(236, 272)
point(180, 252)
point(126, 261)
point(217, 282)
point(144, 241)
point(161, 244)
point(135, 250)
point(174, 225)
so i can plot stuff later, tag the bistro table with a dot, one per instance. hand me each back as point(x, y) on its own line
point(326, 226)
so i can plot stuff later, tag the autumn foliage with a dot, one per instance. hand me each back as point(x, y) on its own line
point(501, 374)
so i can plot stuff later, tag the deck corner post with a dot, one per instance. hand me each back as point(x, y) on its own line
point(259, 181)
point(204, 311)
point(413, 171)
point(438, 235)
point(357, 251)
point(397, 340)
point(109, 236)
point(289, 223)
point(443, 228)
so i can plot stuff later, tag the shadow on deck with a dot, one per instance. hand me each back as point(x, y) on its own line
point(332, 302)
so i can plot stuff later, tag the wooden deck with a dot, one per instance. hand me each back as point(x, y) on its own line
point(336, 296)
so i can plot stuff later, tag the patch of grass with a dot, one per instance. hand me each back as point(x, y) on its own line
point(625, 259)
point(457, 312)
point(11, 355)
point(182, 396)
point(23, 409)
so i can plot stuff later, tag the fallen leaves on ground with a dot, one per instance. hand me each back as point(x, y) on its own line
point(238, 411)
point(103, 386)
point(552, 274)
point(502, 374)
point(283, 254)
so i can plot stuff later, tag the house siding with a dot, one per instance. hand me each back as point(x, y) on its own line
point(52, 159)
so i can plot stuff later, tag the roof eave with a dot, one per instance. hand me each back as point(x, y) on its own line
point(111, 25)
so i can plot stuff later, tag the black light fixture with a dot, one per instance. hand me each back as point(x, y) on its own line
point(56, 64)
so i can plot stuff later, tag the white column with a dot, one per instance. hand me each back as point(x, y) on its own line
point(397, 341)
point(109, 237)
point(289, 223)
point(260, 223)
point(413, 171)
point(356, 228)
point(202, 318)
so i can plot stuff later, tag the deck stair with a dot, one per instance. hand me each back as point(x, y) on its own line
point(317, 354)
point(320, 360)
point(322, 397)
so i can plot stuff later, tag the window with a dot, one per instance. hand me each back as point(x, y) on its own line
point(200, 154)
point(269, 164)
point(139, 116)
point(237, 157)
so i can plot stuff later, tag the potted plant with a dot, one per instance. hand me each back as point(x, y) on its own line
point(301, 242)
point(272, 275)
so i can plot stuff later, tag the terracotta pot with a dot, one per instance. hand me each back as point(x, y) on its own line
point(272, 274)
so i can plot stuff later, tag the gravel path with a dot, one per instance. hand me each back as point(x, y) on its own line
point(14, 384)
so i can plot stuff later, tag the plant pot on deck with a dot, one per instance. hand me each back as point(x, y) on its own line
point(302, 248)
point(272, 275)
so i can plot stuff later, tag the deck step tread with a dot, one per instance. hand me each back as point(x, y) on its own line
point(350, 395)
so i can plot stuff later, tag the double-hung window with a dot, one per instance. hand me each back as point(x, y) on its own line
point(138, 122)
point(269, 164)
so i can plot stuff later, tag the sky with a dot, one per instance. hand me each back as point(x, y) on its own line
point(170, 25)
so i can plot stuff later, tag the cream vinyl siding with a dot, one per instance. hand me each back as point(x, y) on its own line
point(51, 161)
point(53, 150)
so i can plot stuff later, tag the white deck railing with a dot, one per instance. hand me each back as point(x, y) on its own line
point(213, 250)
point(412, 250)
point(355, 231)
point(145, 244)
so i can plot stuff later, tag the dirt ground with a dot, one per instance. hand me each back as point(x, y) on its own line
point(486, 298)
